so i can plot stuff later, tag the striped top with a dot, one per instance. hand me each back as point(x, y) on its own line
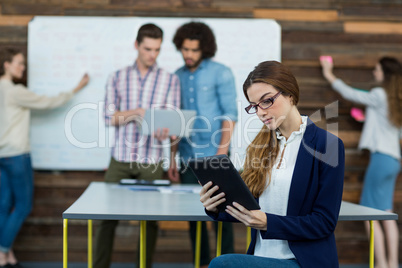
point(126, 90)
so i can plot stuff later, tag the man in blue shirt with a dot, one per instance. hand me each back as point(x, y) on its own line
point(209, 88)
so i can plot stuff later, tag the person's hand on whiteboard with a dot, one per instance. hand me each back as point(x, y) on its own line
point(210, 203)
point(251, 218)
point(161, 134)
point(83, 82)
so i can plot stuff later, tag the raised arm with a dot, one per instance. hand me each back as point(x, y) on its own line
point(31, 100)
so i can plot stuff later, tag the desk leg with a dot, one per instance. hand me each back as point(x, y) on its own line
point(65, 222)
point(219, 240)
point(90, 244)
point(371, 244)
point(198, 246)
point(143, 243)
point(248, 237)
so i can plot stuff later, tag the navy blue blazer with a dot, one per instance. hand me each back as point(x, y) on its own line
point(315, 198)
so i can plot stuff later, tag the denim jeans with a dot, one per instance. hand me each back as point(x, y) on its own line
point(16, 191)
point(243, 260)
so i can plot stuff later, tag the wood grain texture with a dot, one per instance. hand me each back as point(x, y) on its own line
point(31, 9)
point(384, 12)
point(373, 27)
point(297, 15)
point(15, 20)
point(13, 35)
point(355, 32)
point(298, 4)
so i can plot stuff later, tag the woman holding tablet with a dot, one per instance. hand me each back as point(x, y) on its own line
point(295, 170)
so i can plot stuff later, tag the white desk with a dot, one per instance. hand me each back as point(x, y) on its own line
point(106, 201)
point(354, 212)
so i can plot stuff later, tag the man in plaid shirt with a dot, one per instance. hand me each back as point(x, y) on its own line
point(129, 92)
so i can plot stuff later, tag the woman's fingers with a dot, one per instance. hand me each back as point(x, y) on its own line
point(240, 213)
point(212, 206)
point(206, 191)
point(209, 201)
point(205, 188)
point(207, 196)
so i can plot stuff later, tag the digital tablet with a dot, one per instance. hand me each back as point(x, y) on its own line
point(220, 170)
point(179, 122)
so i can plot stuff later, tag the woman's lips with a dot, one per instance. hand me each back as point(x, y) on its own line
point(267, 121)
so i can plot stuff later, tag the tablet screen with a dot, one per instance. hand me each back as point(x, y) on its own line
point(179, 122)
point(220, 170)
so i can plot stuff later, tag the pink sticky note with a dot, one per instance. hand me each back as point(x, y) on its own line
point(327, 58)
point(357, 114)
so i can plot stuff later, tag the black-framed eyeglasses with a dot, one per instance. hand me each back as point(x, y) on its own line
point(264, 104)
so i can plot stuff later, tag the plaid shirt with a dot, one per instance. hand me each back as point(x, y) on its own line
point(126, 90)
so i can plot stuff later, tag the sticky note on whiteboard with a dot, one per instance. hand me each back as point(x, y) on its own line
point(327, 58)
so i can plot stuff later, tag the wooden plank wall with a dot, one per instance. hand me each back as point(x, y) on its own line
point(355, 32)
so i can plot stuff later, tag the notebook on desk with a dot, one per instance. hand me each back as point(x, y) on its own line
point(145, 182)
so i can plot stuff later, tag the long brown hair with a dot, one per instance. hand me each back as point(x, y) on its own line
point(392, 84)
point(263, 150)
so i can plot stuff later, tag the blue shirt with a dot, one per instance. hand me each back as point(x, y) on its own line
point(210, 90)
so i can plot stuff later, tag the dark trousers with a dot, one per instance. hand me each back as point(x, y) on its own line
point(106, 230)
point(187, 177)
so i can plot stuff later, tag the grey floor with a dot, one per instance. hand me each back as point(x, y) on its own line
point(131, 265)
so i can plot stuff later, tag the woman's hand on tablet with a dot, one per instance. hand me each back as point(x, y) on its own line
point(210, 203)
point(252, 218)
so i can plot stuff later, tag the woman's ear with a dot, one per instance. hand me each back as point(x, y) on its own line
point(292, 101)
point(5, 65)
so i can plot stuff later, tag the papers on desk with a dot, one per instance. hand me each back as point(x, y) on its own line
point(165, 189)
point(181, 188)
point(145, 182)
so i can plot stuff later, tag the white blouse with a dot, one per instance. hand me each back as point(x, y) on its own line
point(378, 134)
point(274, 199)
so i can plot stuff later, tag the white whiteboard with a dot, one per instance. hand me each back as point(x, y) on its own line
point(62, 49)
